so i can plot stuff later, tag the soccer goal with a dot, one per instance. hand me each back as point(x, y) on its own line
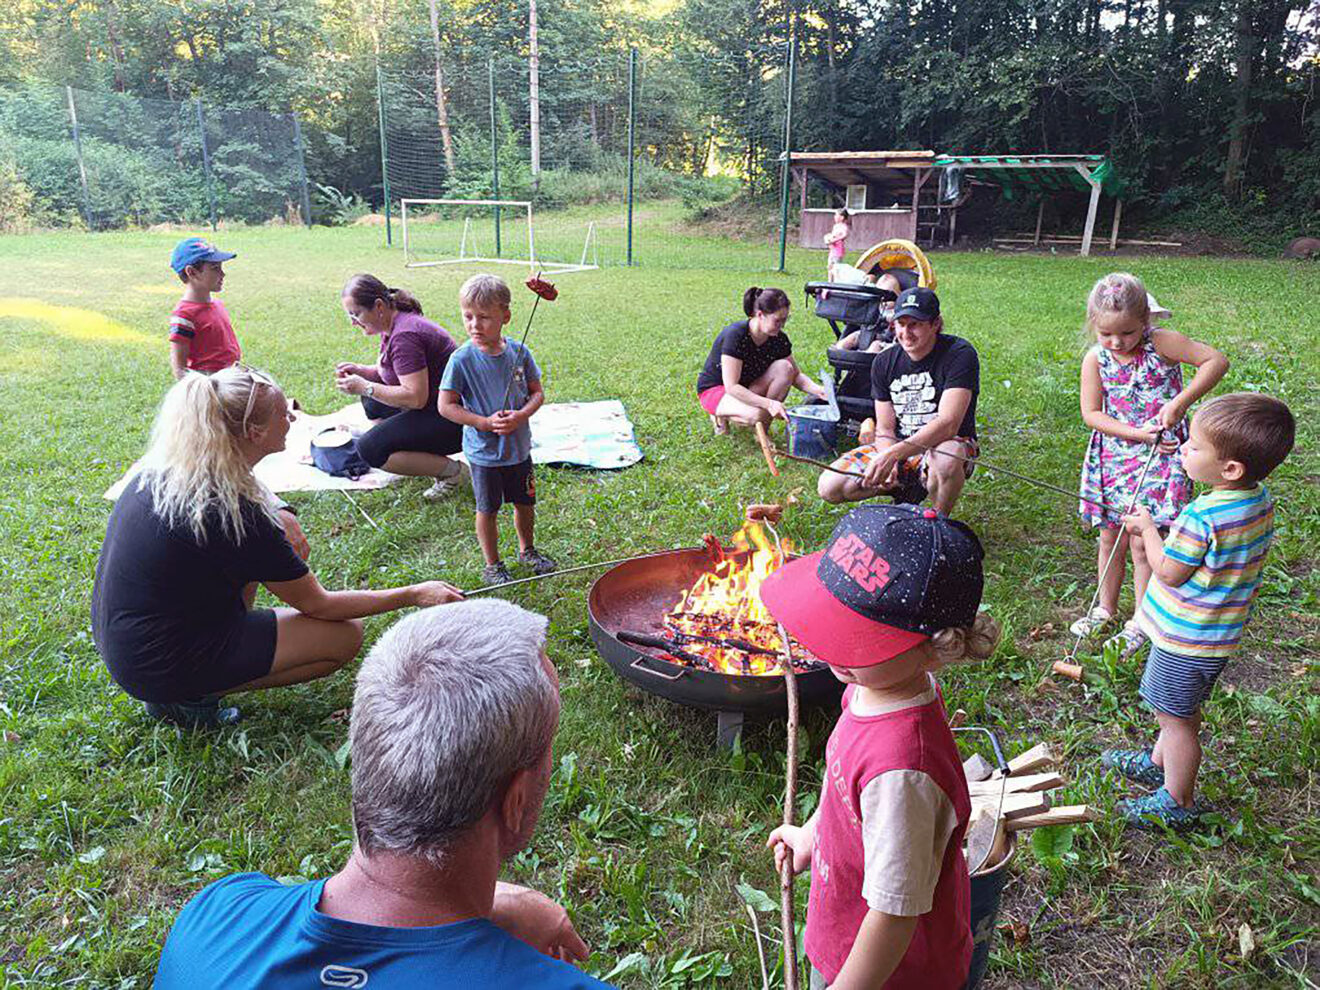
point(486, 232)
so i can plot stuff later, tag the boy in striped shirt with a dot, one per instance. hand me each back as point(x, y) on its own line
point(201, 335)
point(1206, 574)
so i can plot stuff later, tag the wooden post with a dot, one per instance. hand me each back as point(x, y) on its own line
point(534, 94)
point(1090, 210)
point(1113, 233)
point(1040, 216)
point(953, 223)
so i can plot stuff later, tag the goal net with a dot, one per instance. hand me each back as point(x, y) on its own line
point(492, 232)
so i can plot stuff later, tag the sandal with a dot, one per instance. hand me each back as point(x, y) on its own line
point(1092, 622)
point(1134, 764)
point(1129, 639)
point(1157, 811)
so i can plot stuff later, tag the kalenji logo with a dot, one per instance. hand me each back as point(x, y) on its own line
point(863, 565)
point(343, 976)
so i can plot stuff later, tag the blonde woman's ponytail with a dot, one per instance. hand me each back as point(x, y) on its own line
point(195, 470)
point(967, 643)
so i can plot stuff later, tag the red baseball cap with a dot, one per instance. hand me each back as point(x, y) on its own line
point(890, 577)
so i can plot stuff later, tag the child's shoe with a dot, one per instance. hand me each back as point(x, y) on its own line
point(1129, 639)
point(1092, 622)
point(496, 573)
point(204, 713)
point(449, 482)
point(1158, 810)
point(1134, 764)
point(541, 564)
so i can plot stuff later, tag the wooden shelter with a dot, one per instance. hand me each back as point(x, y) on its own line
point(890, 193)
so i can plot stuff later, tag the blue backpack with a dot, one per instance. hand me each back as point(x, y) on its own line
point(337, 455)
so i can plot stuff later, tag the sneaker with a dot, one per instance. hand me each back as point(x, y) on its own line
point(496, 573)
point(1158, 810)
point(1134, 764)
point(1092, 622)
point(450, 482)
point(204, 713)
point(541, 564)
point(1129, 639)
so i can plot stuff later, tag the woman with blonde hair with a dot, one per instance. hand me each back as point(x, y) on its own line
point(189, 540)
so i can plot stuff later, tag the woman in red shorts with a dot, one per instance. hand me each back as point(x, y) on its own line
point(750, 367)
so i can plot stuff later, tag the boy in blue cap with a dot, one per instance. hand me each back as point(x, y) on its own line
point(201, 336)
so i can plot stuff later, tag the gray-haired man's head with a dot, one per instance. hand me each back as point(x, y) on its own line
point(451, 703)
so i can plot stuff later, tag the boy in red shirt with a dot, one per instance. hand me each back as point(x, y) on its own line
point(201, 336)
point(893, 596)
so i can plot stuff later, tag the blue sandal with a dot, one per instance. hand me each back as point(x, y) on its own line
point(1159, 811)
point(1135, 765)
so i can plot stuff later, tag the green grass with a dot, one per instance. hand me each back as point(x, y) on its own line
point(108, 823)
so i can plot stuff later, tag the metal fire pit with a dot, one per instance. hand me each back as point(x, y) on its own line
point(636, 595)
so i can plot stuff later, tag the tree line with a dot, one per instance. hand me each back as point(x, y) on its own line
point(1206, 106)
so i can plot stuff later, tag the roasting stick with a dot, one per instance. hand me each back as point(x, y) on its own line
point(770, 451)
point(790, 794)
point(573, 570)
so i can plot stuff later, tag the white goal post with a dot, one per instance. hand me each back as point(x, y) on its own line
point(589, 261)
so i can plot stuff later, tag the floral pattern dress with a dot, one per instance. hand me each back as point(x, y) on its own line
point(1134, 393)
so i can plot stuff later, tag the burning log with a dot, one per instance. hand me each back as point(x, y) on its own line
point(668, 646)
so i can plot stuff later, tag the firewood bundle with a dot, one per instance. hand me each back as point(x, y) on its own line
point(1004, 803)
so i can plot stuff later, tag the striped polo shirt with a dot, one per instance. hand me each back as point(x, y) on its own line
point(1225, 536)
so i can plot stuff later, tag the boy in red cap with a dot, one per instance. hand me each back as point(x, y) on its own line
point(894, 595)
point(201, 336)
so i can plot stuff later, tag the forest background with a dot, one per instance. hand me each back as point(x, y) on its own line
point(1206, 106)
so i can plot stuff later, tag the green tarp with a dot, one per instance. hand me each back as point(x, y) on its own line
point(1036, 181)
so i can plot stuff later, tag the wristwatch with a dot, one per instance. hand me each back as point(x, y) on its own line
point(371, 390)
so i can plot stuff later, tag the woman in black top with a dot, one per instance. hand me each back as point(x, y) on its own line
point(750, 367)
point(190, 538)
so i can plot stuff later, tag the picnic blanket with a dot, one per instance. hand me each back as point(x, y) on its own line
point(585, 434)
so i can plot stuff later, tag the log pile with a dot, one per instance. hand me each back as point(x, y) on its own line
point(1003, 803)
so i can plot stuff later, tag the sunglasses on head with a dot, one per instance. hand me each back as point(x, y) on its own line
point(257, 378)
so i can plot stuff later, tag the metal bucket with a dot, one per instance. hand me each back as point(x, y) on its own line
point(987, 891)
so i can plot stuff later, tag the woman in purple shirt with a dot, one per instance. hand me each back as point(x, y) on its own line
point(408, 435)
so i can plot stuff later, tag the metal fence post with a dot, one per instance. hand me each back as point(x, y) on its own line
point(206, 163)
point(302, 168)
point(384, 155)
point(788, 154)
point(494, 152)
point(77, 150)
point(632, 127)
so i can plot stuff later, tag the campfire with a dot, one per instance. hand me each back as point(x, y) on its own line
point(720, 624)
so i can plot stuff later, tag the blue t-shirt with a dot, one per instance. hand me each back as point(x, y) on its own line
point(481, 380)
point(249, 931)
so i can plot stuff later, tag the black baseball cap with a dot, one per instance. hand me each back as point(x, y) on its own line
point(920, 303)
point(890, 577)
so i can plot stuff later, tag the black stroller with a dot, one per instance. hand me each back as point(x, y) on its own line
point(863, 309)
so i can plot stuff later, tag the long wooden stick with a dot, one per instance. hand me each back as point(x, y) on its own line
point(790, 801)
point(770, 452)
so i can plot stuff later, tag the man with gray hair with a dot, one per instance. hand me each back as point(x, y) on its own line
point(453, 718)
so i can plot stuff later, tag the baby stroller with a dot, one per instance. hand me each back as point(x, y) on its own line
point(850, 307)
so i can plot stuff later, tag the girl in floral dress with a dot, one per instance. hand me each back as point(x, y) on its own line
point(1132, 397)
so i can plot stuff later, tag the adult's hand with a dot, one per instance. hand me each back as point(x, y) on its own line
point(883, 471)
point(293, 532)
point(775, 409)
point(532, 917)
point(430, 593)
point(348, 368)
point(353, 384)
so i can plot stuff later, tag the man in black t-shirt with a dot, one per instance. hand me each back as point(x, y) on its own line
point(925, 406)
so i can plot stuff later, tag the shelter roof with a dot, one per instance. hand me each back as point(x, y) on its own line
point(1037, 173)
point(846, 168)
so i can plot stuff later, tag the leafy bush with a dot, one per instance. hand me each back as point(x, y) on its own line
point(336, 208)
point(17, 201)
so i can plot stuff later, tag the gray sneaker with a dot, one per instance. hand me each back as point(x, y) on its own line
point(450, 482)
point(496, 573)
point(541, 564)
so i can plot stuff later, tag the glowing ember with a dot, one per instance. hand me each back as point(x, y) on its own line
point(725, 604)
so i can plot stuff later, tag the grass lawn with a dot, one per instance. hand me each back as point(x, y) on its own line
point(109, 823)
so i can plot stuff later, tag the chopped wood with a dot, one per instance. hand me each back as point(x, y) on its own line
point(1073, 671)
point(976, 768)
point(1014, 805)
point(1025, 784)
point(1039, 757)
point(984, 832)
point(1070, 814)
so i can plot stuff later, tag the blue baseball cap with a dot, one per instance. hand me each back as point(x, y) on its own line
point(196, 249)
point(890, 577)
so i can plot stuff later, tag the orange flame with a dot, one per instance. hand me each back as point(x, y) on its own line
point(725, 604)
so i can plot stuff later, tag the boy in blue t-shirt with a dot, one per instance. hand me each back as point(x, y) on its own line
point(492, 386)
